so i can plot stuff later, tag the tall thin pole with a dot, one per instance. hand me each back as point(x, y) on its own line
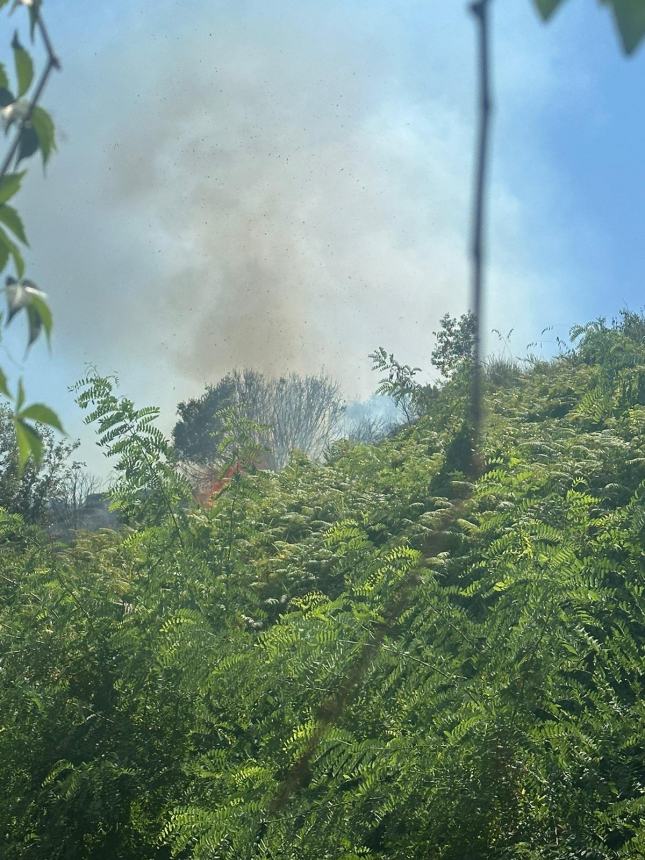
point(481, 11)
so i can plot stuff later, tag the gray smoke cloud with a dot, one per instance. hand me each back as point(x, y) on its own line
point(283, 186)
point(295, 194)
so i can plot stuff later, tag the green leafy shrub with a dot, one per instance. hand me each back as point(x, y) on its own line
point(369, 657)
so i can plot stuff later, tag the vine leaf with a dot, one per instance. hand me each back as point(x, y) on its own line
point(29, 442)
point(6, 96)
point(32, 5)
point(26, 295)
point(546, 8)
point(34, 11)
point(10, 185)
point(24, 66)
point(44, 128)
point(630, 20)
point(18, 296)
point(40, 317)
point(14, 110)
point(20, 397)
point(10, 218)
point(4, 388)
point(28, 143)
point(43, 414)
point(12, 249)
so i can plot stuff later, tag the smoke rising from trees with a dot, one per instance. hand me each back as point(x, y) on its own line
point(279, 189)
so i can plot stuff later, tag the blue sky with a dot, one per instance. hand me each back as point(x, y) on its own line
point(595, 142)
point(286, 185)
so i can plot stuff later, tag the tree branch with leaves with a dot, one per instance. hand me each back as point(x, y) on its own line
point(33, 132)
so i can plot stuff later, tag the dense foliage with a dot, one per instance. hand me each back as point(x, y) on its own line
point(37, 487)
point(373, 657)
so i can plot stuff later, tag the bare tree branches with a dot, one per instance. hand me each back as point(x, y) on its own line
point(304, 413)
point(289, 413)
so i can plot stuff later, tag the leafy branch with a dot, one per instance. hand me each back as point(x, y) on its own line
point(34, 131)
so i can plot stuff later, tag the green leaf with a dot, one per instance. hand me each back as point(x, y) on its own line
point(24, 294)
point(43, 414)
point(4, 80)
point(29, 442)
point(35, 326)
point(33, 18)
point(24, 66)
point(12, 248)
point(20, 399)
point(630, 20)
point(4, 257)
point(10, 218)
point(28, 143)
point(44, 128)
point(9, 185)
point(17, 296)
point(546, 8)
point(39, 306)
point(18, 261)
point(4, 388)
point(34, 11)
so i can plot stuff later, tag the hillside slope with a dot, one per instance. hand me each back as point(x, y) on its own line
point(374, 657)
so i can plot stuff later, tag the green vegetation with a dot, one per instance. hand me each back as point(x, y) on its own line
point(370, 657)
point(380, 655)
point(32, 490)
point(291, 412)
point(32, 131)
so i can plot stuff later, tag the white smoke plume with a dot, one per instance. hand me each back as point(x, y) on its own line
point(283, 186)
